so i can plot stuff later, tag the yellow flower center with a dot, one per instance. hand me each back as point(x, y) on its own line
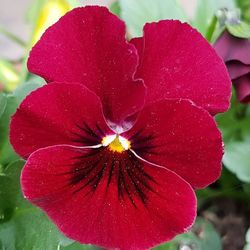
point(116, 143)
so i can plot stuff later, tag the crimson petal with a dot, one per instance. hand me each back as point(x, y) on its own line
point(58, 113)
point(139, 207)
point(138, 42)
point(180, 136)
point(177, 62)
point(88, 46)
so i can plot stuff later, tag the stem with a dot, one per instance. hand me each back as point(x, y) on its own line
point(211, 28)
point(12, 37)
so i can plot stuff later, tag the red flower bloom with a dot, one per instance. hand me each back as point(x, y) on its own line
point(107, 168)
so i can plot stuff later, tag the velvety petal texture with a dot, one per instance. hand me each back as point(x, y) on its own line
point(139, 207)
point(177, 62)
point(58, 113)
point(88, 46)
point(182, 137)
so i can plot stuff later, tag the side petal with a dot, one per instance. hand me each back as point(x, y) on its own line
point(88, 46)
point(177, 62)
point(135, 210)
point(180, 136)
point(58, 113)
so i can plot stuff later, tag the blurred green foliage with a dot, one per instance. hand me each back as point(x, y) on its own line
point(205, 10)
point(203, 237)
point(137, 13)
point(247, 246)
point(244, 5)
point(7, 154)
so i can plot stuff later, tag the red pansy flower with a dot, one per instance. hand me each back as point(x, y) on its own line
point(111, 164)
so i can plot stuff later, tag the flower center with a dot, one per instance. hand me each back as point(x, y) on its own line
point(116, 143)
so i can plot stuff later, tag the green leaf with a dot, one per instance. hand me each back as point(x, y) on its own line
point(234, 124)
point(26, 88)
point(30, 229)
point(77, 246)
point(115, 8)
point(205, 11)
point(137, 13)
point(202, 237)
point(237, 159)
point(3, 102)
point(244, 6)
point(9, 190)
point(7, 154)
point(241, 30)
point(235, 128)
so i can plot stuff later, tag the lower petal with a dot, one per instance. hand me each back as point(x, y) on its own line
point(125, 203)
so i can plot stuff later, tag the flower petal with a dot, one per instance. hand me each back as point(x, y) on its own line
point(232, 48)
point(88, 46)
point(177, 62)
point(58, 113)
point(242, 85)
point(140, 206)
point(180, 136)
point(237, 69)
point(138, 42)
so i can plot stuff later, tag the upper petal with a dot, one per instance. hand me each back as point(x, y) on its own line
point(57, 113)
point(180, 136)
point(114, 201)
point(88, 45)
point(177, 62)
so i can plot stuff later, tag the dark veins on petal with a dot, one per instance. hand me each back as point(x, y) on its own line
point(121, 170)
point(85, 135)
point(143, 144)
point(124, 170)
